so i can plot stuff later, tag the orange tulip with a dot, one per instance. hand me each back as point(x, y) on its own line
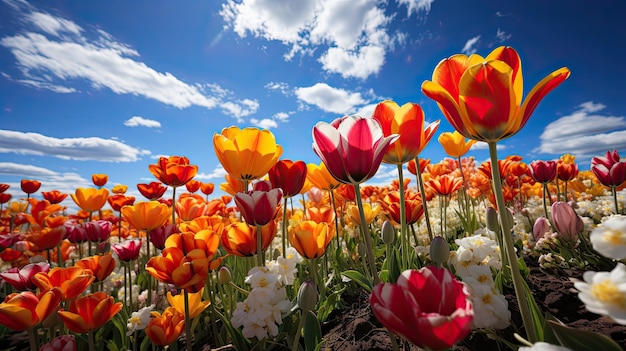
point(370, 210)
point(99, 179)
point(482, 97)
point(189, 207)
point(41, 210)
point(248, 153)
point(215, 223)
point(46, 238)
point(119, 189)
point(445, 185)
point(413, 203)
point(90, 312)
point(100, 265)
point(424, 162)
point(90, 199)
point(207, 188)
point(454, 144)
point(25, 310)
point(118, 201)
point(310, 238)
point(232, 185)
point(54, 196)
point(196, 305)
point(193, 185)
point(72, 281)
point(152, 191)
point(146, 215)
point(321, 215)
point(240, 239)
point(320, 177)
point(165, 328)
point(407, 121)
point(30, 186)
point(173, 171)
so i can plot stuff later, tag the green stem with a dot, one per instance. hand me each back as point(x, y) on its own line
point(129, 282)
point(259, 245)
point(174, 205)
point(296, 341)
point(518, 283)
point(545, 206)
point(394, 342)
point(420, 183)
point(187, 321)
point(285, 228)
point(32, 339)
point(366, 234)
point(332, 200)
point(149, 277)
point(404, 237)
point(90, 341)
point(614, 191)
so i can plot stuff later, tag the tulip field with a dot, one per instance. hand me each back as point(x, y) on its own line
point(447, 257)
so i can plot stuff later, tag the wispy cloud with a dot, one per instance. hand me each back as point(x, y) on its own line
point(218, 173)
point(137, 121)
point(330, 99)
point(57, 54)
point(584, 133)
point(80, 149)
point(354, 35)
point(470, 45)
point(416, 6)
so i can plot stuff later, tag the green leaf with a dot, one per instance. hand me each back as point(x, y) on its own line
point(394, 266)
point(359, 278)
point(582, 340)
point(312, 331)
point(535, 311)
point(328, 306)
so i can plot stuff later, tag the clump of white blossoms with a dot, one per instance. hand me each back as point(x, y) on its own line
point(261, 312)
point(139, 320)
point(473, 262)
point(605, 292)
point(609, 237)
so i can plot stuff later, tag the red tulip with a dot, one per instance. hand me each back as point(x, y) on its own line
point(174, 170)
point(54, 196)
point(351, 147)
point(543, 171)
point(118, 201)
point(288, 176)
point(20, 278)
point(5, 197)
point(609, 170)
point(258, 207)
point(429, 308)
point(30, 186)
point(160, 234)
point(97, 231)
point(4, 187)
point(128, 250)
point(152, 191)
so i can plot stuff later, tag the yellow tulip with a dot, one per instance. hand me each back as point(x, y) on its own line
point(248, 153)
point(146, 215)
point(310, 238)
point(320, 177)
point(196, 305)
point(454, 144)
point(370, 210)
point(90, 199)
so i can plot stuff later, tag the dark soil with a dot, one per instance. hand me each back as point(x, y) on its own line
point(356, 328)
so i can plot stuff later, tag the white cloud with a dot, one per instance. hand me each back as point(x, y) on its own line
point(265, 123)
point(240, 109)
point(502, 36)
point(584, 133)
point(18, 169)
point(281, 116)
point(354, 34)
point(280, 86)
point(484, 146)
point(366, 111)
point(218, 173)
point(470, 45)
point(137, 121)
point(55, 53)
point(80, 149)
point(330, 99)
point(415, 6)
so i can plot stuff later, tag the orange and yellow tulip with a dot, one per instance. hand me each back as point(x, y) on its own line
point(165, 328)
point(370, 210)
point(146, 215)
point(248, 153)
point(100, 265)
point(90, 312)
point(193, 185)
point(72, 281)
point(119, 189)
point(445, 185)
point(320, 177)
point(407, 121)
point(173, 171)
point(25, 310)
point(454, 144)
point(482, 97)
point(90, 199)
point(240, 239)
point(99, 179)
point(310, 238)
point(232, 185)
point(190, 206)
point(413, 203)
point(207, 188)
point(196, 304)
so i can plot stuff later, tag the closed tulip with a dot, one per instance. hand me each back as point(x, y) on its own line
point(413, 204)
point(119, 189)
point(310, 239)
point(207, 188)
point(609, 169)
point(566, 171)
point(98, 231)
point(482, 97)
point(99, 180)
point(371, 210)
point(190, 206)
point(165, 328)
point(193, 185)
point(351, 147)
point(25, 310)
point(454, 144)
point(152, 191)
point(127, 250)
point(406, 121)
point(30, 186)
point(90, 312)
point(258, 207)
point(566, 222)
point(543, 171)
point(320, 177)
point(248, 153)
point(90, 199)
point(240, 239)
point(174, 171)
point(195, 302)
point(427, 307)
point(65, 342)
point(289, 176)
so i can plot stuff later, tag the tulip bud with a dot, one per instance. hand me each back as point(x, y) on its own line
point(224, 276)
point(541, 227)
point(361, 249)
point(307, 296)
point(439, 251)
point(492, 220)
point(388, 233)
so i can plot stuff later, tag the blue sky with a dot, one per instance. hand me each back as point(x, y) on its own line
point(109, 86)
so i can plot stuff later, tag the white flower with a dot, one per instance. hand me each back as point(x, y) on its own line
point(544, 346)
point(609, 238)
point(605, 293)
point(261, 277)
point(491, 310)
point(139, 320)
point(286, 267)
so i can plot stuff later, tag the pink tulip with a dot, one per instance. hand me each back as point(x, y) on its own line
point(20, 278)
point(540, 228)
point(76, 232)
point(429, 307)
point(98, 231)
point(609, 170)
point(566, 222)
point(258, 207)
point(543, 171)
point(65, 342)
point(351, 147)
point(128, 250)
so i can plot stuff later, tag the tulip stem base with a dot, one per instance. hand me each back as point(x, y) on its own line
point(366, 235)
point(188, 335)
point(420, 184)
point(404, 236)
point(32, 339)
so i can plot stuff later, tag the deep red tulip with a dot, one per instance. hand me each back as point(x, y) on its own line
point(75, 232)
point(128, 250)
point(258, 207)
point(54, 196)
point(20, 278)
point(152, 191)
point(429, 308)
point(609, 170)
point(288, 176)
point(97, 231)
point(4, 187)
point(4, 198)
point(351, 147)
point(30, 186)
point(160, 234)
point(543, 171)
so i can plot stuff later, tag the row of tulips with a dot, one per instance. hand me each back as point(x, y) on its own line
point(210, 250)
